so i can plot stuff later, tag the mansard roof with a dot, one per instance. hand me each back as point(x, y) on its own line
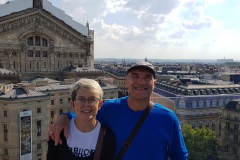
point(21, 5)
point(21, 93)
point(233, 105)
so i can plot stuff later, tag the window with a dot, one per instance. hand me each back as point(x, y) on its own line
point(58, 64)
point(5, 113)
point(235, 137)
point(236, 118)
point(207, 103)
point(30, 41)
point(45, 54)
point(207, 124)
point(181, 103)
point(52, 114)
point(220, 102)
point(5, 152)
point(236, 127)
point(14, 54)
point(194, 104)
point(45, 65)
point(226, 135)
point(228, 100)
point(30, 64)
point(228, 116)
point(44, 42)
point(226, 148)
point(52, 102)
point(214, 103)
point(37, 41)
point(227, 125)
point(5, 132)
point(213, 123)
point(39, 146)
point(234, 150)
point(193, 124)
point(201, 104)
point(60, 111)
point(69, 99)
point(38, 110)
point(61, 101)
point(37, 54)
point(38, 128)
point(39, 156)
point(30, 53)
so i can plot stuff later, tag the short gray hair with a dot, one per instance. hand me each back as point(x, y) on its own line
point(88, 84)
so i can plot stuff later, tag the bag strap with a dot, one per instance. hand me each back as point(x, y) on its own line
point(99, 143)
point(127, 144)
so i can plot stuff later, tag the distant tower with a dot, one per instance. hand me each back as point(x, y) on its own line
point(145, 59)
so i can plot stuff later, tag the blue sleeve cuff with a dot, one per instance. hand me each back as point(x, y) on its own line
point(70, 115)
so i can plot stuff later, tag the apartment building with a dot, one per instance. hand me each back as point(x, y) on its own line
point(230, 131)
point(196, 102)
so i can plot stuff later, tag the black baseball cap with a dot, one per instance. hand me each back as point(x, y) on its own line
point(142, 64)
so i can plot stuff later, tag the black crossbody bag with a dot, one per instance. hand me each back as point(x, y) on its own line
point(127, 144)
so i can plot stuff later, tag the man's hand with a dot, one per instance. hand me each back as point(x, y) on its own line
point(62, 123)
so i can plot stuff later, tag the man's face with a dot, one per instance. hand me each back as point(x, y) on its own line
point(140, 83)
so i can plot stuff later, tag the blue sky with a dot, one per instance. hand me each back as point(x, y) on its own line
point(160, 29)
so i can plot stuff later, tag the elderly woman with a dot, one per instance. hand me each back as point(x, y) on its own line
point(85, 132)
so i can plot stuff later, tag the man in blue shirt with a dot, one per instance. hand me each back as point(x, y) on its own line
point(160, 136)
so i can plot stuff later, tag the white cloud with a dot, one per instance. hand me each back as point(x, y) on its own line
point(167, 29)
point(3, 1)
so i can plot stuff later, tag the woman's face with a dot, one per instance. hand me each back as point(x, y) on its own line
point(86, 104)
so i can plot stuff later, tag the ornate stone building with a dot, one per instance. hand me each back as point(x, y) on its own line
point(37, 38)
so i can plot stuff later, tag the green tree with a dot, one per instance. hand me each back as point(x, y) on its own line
point(200, 142)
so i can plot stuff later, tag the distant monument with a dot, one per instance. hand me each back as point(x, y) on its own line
point(224, 60)
point(37, 4)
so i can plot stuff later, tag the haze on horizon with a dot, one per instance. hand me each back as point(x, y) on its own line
point(159, 29)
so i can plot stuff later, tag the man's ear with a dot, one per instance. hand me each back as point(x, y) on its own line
point(100, 104)
point(154, 82)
